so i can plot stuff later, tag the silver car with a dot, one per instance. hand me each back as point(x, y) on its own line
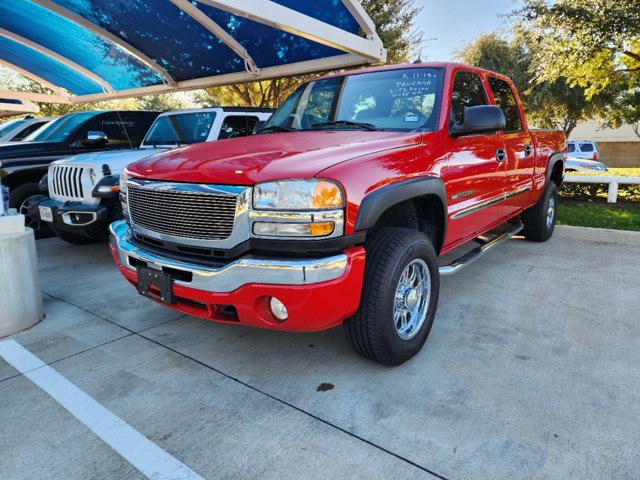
point(584, 165)
point(18, 129)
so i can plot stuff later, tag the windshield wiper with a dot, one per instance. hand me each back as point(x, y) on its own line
point(345, 123)
point(276, 128)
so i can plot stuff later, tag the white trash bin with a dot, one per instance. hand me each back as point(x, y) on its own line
point(20, 296)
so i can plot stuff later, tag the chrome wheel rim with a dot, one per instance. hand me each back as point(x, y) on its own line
point(551, 210)
point(411, 300)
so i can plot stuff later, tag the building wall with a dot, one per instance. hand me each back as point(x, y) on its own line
point(618, 147)
point(620, 154)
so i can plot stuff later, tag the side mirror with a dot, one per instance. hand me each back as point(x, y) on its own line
point(256, 128)
point(95, 138)
point(480, 119)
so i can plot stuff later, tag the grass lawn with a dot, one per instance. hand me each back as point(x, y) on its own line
point(613, 172)
point(584, 214)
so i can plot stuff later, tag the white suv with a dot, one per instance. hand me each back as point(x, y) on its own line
point(583, 149)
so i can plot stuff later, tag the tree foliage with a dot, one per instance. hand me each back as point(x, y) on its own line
point(548, 103)
point(394, 21)
point(591, 43)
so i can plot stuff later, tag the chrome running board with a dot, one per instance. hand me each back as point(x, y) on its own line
point(485, 246)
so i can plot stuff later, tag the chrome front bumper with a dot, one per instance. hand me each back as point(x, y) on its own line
point(235, 274)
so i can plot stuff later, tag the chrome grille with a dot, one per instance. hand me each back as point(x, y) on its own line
point(184, 214)
point(66, 181)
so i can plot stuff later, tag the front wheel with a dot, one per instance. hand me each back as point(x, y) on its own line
point(540, 220)
point(399, 296)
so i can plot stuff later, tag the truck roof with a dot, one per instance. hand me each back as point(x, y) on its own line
point(400, 66)
point(247, 109)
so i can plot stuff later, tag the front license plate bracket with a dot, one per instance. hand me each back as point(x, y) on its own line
point(148, 277)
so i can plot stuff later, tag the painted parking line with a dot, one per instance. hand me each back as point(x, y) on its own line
point(151, 460)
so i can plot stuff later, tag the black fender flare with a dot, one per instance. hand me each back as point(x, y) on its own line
point(379, 201)
point(553, 159)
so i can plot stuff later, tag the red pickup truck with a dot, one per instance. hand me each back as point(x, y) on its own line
point(337, 210)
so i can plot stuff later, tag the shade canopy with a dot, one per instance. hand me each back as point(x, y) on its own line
point(91, 50)
point(10, 107)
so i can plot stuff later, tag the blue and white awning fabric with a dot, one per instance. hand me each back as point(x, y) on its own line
point(90, 50)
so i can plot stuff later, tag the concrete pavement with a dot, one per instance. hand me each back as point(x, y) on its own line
point(532, 371)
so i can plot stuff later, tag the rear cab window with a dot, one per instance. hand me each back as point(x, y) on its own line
point(586, 147)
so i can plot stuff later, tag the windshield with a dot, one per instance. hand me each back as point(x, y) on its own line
point(58, 130)
point(10, 126)
point(180, 129)
point(398, 100)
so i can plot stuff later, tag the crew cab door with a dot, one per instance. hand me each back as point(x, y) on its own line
point(474, 173)
point(519, 147)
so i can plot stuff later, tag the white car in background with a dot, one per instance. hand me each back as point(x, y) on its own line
point(583, 149)
point(18, 129)
point(584, 165)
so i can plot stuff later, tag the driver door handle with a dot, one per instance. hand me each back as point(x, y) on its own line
point(501, 155)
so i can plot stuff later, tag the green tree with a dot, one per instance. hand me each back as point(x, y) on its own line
point(394, 21)
point(626, 111)
point(591, 43)
point(548, 104)
point(161, 103)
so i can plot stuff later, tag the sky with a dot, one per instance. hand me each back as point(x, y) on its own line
point(455, 23)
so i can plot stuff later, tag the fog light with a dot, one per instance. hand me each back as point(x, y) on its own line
point(278, 309)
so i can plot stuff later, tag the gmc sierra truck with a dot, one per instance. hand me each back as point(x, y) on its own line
point(337, 212)
point(84, 189)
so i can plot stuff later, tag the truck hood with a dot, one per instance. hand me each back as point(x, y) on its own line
point(116, 159)
point(259, 158)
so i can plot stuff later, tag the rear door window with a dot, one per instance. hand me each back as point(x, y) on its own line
point(468, 91)
point(571, 148)
point(237, 126)
point(27, 131)
point(505, 99)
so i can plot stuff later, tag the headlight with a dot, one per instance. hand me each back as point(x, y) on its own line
point(295, 195)
point(123, 193)
point(123, 182)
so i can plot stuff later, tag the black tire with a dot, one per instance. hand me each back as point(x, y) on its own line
point(19, 198)
point(74, 238)
point(372, 330)
point(540, 220)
